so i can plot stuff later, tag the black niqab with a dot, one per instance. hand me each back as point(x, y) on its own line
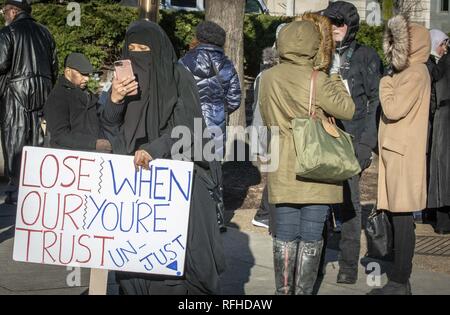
point(154, 70)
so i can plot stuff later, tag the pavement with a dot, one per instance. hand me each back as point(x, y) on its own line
point(249, 272)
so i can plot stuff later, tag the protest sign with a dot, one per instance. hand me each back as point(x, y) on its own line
point(95, 210)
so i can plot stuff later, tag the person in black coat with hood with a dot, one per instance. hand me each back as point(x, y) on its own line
point(361, 68)
point(439, 158)
point(167, 98)
point(28, 70)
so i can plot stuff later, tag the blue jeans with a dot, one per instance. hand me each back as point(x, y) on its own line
point(299, 222)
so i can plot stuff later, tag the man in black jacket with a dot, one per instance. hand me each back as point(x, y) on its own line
point(71, 110)
point(28, 70)
point(361, 68)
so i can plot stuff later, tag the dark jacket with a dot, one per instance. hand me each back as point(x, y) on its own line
point(217, 82)
point(441, 74)
point(28, 70)
point(439, 164)
point(363, 73)
point(431, 65)
point(205, 259)
point(72, 117)
point(362, 68)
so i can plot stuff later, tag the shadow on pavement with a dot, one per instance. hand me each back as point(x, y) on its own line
point(240, 261)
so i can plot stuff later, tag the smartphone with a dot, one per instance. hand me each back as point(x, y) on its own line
point(124, 69)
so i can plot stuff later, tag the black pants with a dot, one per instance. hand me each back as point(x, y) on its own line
point(443, 218)
point(350, 214)
point(264, 207)
point(267, 210)
point(404, 245)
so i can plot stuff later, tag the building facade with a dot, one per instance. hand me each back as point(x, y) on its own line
point(430, 13)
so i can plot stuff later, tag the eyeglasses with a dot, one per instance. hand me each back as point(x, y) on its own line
point(337, 22)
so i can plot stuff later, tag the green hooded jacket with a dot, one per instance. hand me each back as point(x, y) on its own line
point(284, 94)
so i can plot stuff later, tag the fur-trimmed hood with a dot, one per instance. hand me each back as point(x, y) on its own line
point(307, 40)
point(405, 43)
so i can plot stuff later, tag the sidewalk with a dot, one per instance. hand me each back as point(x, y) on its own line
point(249, 260)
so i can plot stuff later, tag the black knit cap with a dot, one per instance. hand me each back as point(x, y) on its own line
point(21, 4)
point(211, 33)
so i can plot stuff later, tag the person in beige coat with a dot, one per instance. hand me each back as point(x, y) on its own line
point(301, 206)
point(405, 100)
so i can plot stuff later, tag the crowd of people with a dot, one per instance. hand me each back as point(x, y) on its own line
point(401, 112)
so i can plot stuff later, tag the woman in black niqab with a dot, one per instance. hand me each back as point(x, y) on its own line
point(167, 97)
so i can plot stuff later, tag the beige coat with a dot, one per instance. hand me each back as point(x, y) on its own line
point(284, 95)
point(405, 99)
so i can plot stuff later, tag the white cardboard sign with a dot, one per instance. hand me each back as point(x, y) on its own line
point(94, 210)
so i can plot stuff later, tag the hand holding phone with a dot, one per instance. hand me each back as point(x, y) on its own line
point(124, 83)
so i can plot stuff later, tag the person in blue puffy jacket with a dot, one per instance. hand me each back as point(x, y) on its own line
point(217, 79)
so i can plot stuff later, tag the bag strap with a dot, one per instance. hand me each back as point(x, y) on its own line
point(312, 93)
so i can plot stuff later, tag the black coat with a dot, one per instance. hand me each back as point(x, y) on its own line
point(205, 259)
point(363, 72)
point(72, 117)
point(439, 174)
point(28, 70)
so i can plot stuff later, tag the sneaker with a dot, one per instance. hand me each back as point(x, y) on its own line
point(261, 222)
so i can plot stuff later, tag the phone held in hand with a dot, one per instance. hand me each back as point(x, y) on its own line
point(123, 70)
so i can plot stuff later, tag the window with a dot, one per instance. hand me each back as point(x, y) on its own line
point(184, 3)
point(252, 6)
point(445, 5)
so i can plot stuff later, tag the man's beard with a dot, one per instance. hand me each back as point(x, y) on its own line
point(7, 23)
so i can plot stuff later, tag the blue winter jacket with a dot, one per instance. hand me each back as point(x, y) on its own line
point(217, 81)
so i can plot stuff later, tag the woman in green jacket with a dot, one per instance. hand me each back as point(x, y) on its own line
point(301, 206)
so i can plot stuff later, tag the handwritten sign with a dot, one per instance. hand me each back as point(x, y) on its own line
point(94, 210)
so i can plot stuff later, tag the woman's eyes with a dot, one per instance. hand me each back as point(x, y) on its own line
point(138, 48)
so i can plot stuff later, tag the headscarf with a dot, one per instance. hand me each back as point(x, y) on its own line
point(437, 37)
point(148, 112)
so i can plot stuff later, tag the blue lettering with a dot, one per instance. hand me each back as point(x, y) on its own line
point(186, 194)
point(132, 251)
point(114, 261)
point(170, 251)
point(177, 240)
point(117, 191)
point(139, 219)
point(157, 169)
point(159, 218)
point(117, 217)
point(122, 219)
point(149, 182)
point(150, 268)
point(98, 210)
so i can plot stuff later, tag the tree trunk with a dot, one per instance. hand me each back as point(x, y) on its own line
point(229, 15)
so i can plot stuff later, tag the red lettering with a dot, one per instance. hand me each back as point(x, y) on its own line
point(71, 169)
point(80, 175)
point(28, 239)
point(57, 171)
point(90, 255)
point(103, 238)
point(61, 249)
point(24, 163)
point(34, 204)
point(57, 212)
point(68, 214)
point(45, 248)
